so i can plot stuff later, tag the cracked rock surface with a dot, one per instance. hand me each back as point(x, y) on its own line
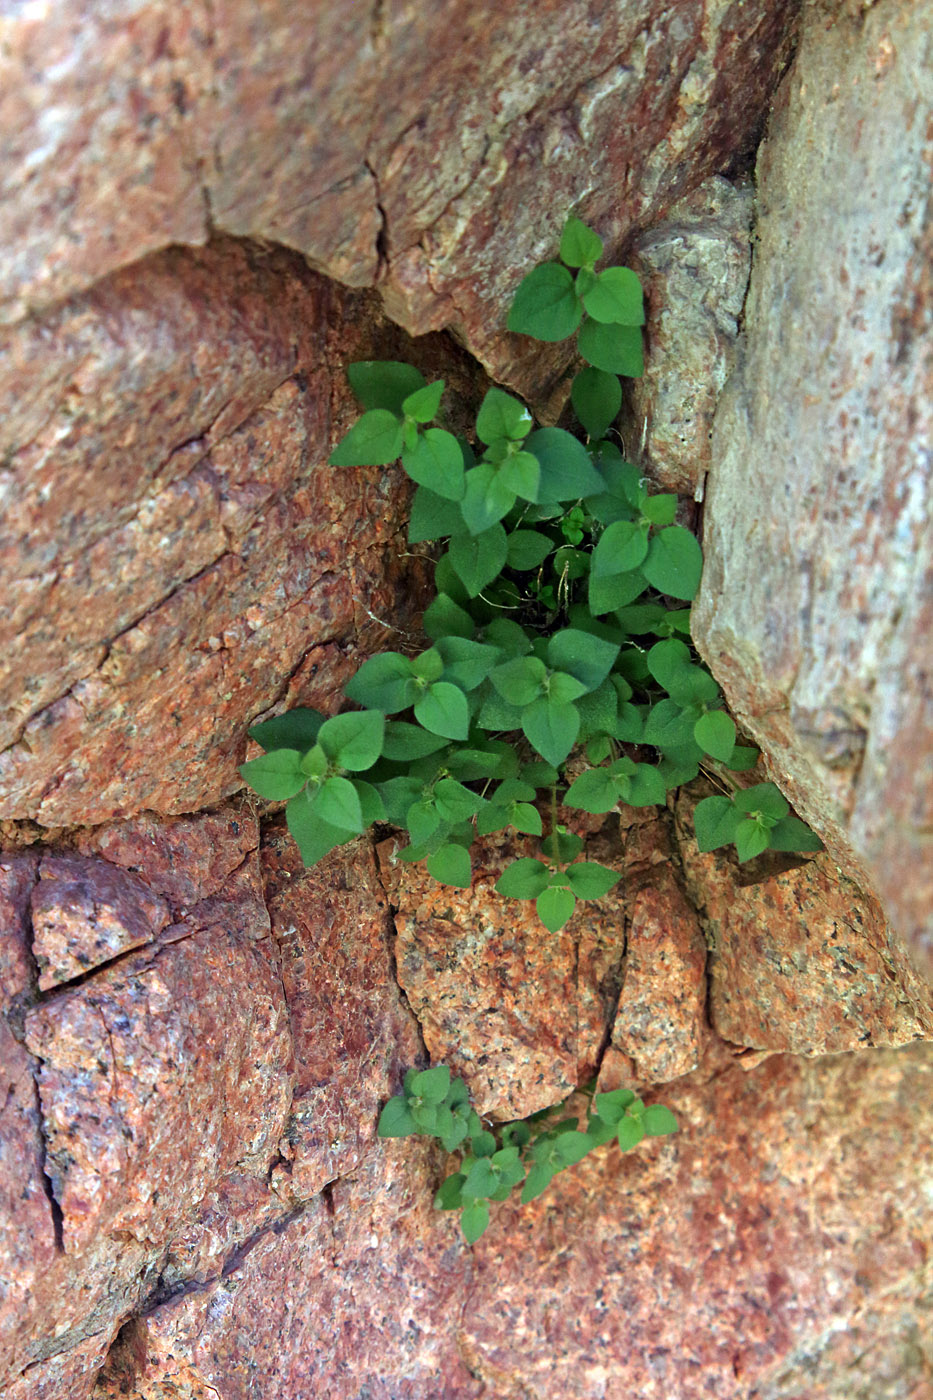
point(205, 212)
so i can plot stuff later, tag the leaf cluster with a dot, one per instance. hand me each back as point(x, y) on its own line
point(558, 623)
point(528, 1153)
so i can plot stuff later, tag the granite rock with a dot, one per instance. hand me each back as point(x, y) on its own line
point(694, 266)
point(300, 1312)
point(800, 958)
point(483, 977)
point(816, 607)
point(352, 1037)
point(181, 560)
point(754, 1252)
point(432, 148)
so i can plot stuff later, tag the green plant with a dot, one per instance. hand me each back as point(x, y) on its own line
point(531, 1151)
point(558, 626)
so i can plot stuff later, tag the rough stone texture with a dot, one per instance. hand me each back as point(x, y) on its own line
point(733, 1259)
point(437, 146)
point(484, 979)
point(136, 1089)
point(180, 558)
point(352, 1039)
point(801, 959)
point(791, 1268)
point(816, 609)
point(694, 267)
point(85, 912)
point(71, 1375)
point(659, 1022)
point(358, 1295)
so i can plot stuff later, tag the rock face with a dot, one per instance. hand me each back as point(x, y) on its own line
point(196, 1034)
point(817, 600)
point(168, 129)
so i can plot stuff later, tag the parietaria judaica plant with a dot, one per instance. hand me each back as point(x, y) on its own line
point(561, 624)
point(528, 1153)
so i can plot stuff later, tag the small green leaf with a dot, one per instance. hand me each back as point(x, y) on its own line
point(314, 838)
point(622, 547)
point(571, 1147)
point(545, 304)
point(445, 618)
point(791, 834)
point(474, 1220)
point(298, 729)
point(444, 710)
point(608, 594)
point(660, 510)
point(615, 349)
point(502, 417)
point(337, 802)
point(674, 562)
point(742, 759)
point(478, 559)
point(432, 517)
point(659, 1121)
point(423, 404)
point(555, 906)
point(551, 727)
point(486, 498)
point(430, 1084)
point(645, 787)
point(611, 1107)
point(404, 742)
point(751, 839)
point(527, 549)
point(450, 865)
point(567, 471)
point(579, 245)
point(436, 461)
point(715, 734)
point(375, 440)
point(764, 798)
point(594, 791)
point(587, 657)
point(591, 881)
point(421, 821)
point(466, 663)
point(562, 845)
point(384, 383)
point(715, 822)
point(597, 398)
point(521, 680)
point(455, 803)
point(631, 1132)
point(275, 775)
point(521, 473)
point(353, 740)
point(616, 298)
point(384, 682)
point(395, 1120)
point(525, 818)
point(523, 879)
point(538, 1180)
point(450, 1194)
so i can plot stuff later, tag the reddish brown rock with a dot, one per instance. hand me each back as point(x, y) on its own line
point(816, 609)
point(800, 959)
point(85, 912)
point(799, 1252)
point(352, 1038)
point(361, 1298)
point(518, 1012)
point(181, 558)
point(660, 1018)
point(70, 1375)
point(492, 123)
point(780, 1234)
